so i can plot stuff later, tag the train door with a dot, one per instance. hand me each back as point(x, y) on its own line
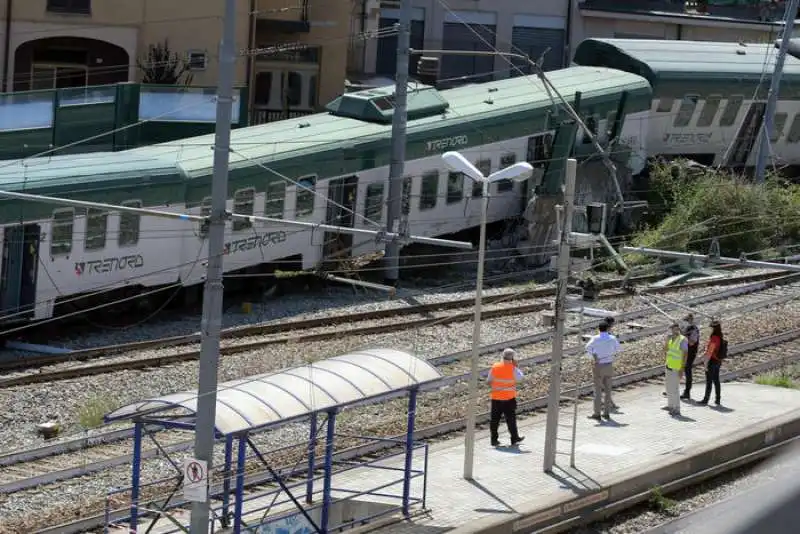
point(747, 135)
point(342, 195)
point(19, 271)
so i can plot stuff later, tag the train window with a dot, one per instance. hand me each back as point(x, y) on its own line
point(485, 166)
point(665, 105)
point(794, 130)
point(243, 204)
point(429, 190)
point(539, 148)
point(778, 125)
point(373, 204)
point(61, 232)
point(732, 108)
point(506, 160)
point(129, 224)
point(96, 226)
point(407, 182)
point(455, 187)
point(205, 211)
point(274, 199)
point(686, 111)
point(304, 205)
point(709, 112)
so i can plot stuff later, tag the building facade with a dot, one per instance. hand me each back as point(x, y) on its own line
point(49, 44)
point(546, 31)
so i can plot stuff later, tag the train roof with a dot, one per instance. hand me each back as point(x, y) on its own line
point(308, 136)
point(659, 60)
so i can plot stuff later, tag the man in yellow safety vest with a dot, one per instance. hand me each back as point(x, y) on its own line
point(677, 348)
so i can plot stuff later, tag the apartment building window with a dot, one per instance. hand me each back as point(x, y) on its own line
point(69, 6)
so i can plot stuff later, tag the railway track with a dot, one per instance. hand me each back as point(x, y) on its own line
point(392, 325)
point(762, 355)
point(273, 328)
point(62, 461)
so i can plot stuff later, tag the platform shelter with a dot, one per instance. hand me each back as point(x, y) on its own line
point(251, 485)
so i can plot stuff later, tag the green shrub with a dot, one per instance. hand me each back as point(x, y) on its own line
point(91, 414)
point(744, 216)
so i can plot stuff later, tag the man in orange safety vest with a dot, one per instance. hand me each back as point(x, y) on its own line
point(503, 378)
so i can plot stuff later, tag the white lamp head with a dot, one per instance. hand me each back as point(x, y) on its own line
point(458, 163)
point(519, 171)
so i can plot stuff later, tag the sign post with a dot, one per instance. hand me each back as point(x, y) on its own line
point(195, 480)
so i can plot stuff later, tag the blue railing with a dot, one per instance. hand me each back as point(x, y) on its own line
point(117, 509)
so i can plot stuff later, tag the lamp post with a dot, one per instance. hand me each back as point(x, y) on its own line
point(518, 172)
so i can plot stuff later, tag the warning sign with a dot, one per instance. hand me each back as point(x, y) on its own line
point(195, 480)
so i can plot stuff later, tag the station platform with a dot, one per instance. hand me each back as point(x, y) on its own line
point(618, 462)
point(641, 447)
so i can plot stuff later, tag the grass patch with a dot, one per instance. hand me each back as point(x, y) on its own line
point(661, 503)
point(91, 414)
point(781, 379)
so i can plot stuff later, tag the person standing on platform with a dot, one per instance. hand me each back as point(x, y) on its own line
point(692, 334)
point(503, 378)
point(716, 351)
point(677, 349)
point(603, 348)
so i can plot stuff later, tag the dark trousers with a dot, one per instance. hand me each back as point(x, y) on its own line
point(712, 377)
point(507, 409)
point(690, 356)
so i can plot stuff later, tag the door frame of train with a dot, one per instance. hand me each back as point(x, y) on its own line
point(340, 211)
point(747, 135)
point(20, 269)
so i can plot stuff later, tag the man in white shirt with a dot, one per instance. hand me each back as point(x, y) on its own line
point(603, 348)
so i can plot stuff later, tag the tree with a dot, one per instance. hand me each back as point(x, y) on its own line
point(163, 66)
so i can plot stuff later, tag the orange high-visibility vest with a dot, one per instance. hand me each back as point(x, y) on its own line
point(503, 381)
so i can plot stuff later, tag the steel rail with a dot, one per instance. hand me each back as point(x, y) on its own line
point(272, 327)
point(168, 359)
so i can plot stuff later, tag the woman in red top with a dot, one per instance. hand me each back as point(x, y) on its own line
point(713, 363)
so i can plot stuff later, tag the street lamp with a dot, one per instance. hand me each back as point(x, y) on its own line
point(519, 171)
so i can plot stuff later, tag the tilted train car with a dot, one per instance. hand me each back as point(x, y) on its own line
point(52, 254)
point(709, 98)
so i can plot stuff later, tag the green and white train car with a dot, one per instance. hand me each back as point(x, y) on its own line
point(709, 98)
point(51, 254)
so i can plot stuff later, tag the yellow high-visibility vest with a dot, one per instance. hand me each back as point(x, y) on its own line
point(674, 353)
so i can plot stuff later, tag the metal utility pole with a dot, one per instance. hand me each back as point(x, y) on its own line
point(564, 248)
point(772, 98)
point(212, 297)
point(394, 205)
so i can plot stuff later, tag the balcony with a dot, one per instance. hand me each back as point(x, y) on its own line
point(284, 17)
point(763, 11)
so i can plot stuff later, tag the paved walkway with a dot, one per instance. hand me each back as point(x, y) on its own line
point(507, 478)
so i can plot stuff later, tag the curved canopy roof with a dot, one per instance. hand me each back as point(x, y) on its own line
point(269, 399)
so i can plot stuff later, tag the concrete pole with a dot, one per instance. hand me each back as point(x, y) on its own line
point(554, 397)
point(394, 203)
point(469, 437)
point(212, 298)
point(772, 98)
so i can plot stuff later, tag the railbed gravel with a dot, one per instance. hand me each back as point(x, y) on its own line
point(68, 498)
point(27, 406)
point(331, 301)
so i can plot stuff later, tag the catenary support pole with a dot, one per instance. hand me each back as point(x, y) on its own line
point(553, 404)
point(212, 297)
point(469, 436)
point(772, 98)
point(394, 204)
